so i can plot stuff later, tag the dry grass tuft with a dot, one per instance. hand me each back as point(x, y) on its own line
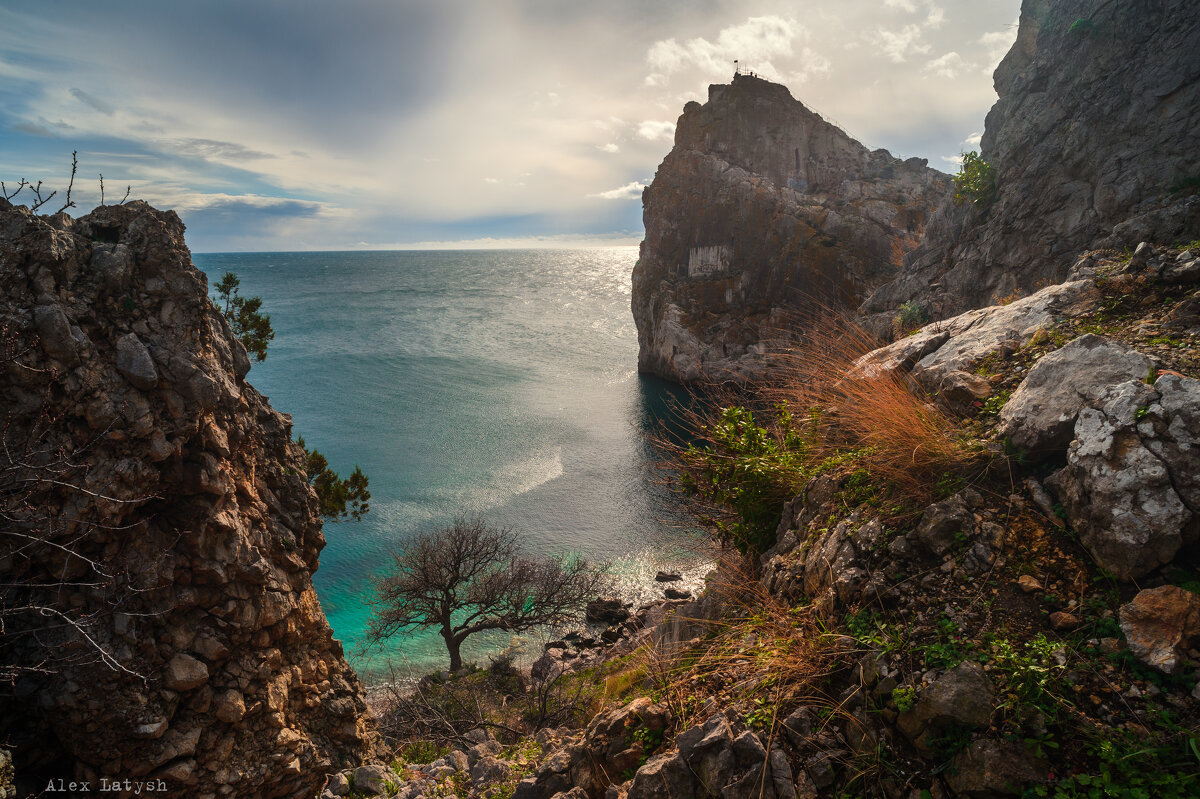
point(761, 658)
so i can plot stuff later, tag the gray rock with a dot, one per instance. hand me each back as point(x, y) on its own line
point(944, 524)
point(962, 697)
point(1040, 416)
point(1129, 82)
point(764, 210)
point(988, 769)
point(607, 610)
point(55, 332)
point(338, 785)
point(1133, 474)
point(372, 779)
point(664, 776)
point(134, 362)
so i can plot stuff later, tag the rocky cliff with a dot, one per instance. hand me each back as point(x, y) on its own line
point(159, 535)
point(1093, 140)
point(762, 212)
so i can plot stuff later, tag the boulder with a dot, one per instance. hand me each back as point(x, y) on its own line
point(946, 523)
point(988, 769)
point(1040, 416)
point(667, 577)
point(134, 362)
point(1162, 626)
point(963, 697)
point(607, 610)
point(1132, 477)
point(184, 673)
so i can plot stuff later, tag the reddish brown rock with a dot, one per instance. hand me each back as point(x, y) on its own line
point(1161, 625)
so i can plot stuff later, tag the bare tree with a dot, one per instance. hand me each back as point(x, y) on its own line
point(469, 577)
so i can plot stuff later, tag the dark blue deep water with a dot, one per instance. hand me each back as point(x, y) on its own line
point(494, 382)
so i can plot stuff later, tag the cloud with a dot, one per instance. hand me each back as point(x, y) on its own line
point(94, 103)
point(973, 140)
point(630, 191)
point(754, 43)
point(656, 131)
point(898, 45)
point(215, 150)
point(491, 180)
point(935, 17)
point(608, 148)
point(997, 44)
point(956, 160)
point(903, 5)
point(32, 129)
point(947, 66)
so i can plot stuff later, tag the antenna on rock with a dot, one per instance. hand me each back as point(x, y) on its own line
point(735, 67)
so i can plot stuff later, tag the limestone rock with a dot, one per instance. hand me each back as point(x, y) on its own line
point(937, 351)
point(1162, 626)
point(1041, 413)
point(1093, 129)
point(763, 211)
point(1131, 486)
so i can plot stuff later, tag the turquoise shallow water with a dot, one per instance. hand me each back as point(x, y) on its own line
point(502, 383)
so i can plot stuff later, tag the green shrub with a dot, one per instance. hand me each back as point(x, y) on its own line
point(975, 181)
point(749, 470)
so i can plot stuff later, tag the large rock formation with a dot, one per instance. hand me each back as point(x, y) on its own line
point(761, 213)
point(1093, 139)
point(155, 506)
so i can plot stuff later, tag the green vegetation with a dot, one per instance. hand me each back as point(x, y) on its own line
point(909, 317)
point(250, 325)
point(750, 470)
point(339, 498)
point(975, 181)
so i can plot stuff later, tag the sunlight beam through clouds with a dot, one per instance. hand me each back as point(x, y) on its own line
point(384, 121)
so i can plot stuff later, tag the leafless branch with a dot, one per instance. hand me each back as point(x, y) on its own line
point(71, 185)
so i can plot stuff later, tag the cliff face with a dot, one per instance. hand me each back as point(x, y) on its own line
point(761, 212)
point(156, 502)
point(1093, 139)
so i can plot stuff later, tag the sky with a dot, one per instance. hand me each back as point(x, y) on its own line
point(389, 124)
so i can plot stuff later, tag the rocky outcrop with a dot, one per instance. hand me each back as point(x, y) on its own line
point(762, 213)
point(1093, 143)
point(162, 512)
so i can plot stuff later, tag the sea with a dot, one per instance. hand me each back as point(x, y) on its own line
point(499, 383)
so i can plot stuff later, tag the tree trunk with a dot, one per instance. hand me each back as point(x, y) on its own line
point(453, 646)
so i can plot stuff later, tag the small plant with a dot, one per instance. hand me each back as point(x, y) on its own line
point(905, 698)
point(909, 316)
point(975, 182)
